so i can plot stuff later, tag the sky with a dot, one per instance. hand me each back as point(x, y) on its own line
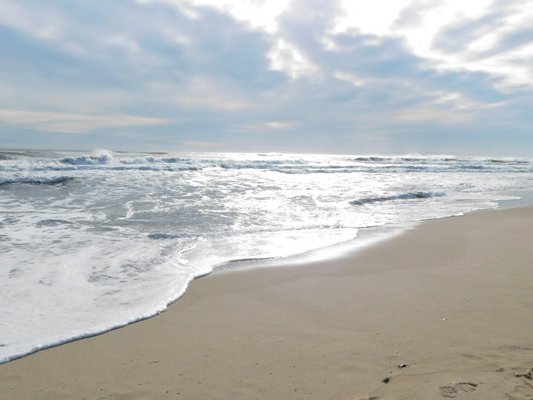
point(303, 76)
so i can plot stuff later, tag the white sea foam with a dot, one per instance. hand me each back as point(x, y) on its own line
point(92, 241)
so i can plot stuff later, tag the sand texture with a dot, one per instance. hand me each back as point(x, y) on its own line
point(451, 301)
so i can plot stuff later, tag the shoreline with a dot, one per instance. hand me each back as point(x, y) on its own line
point(434, 298)
point(366, 237)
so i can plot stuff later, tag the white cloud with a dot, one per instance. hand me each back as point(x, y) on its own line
point(262, 127)
point(260, 14)
point(370, 17)
point(440, 16)
point(286, 58)
point(181, 5)
point(279, 125)
point(353, 79)
point(426, 19)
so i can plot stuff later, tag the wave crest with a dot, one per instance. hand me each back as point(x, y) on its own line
point(99, 157)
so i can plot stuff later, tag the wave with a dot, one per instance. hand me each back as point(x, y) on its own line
point(179, 168)
point(105, 159)
point(58, 181)
point(275, 162)
point(85, 160)
point(413, 158)
point(441, 159)
point(508, 161)
point(98, 158)
point(153, 160)
point(11, 154)
point(269, 154)
point(403, 196)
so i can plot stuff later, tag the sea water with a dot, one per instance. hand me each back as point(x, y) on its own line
point(90, 241)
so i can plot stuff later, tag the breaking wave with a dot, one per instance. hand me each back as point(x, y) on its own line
point(98, 158)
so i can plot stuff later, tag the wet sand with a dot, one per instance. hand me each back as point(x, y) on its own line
point(451, 301)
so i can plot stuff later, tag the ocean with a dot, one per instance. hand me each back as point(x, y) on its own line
point(90, 241)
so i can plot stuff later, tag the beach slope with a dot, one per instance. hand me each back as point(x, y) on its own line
point(444, 310)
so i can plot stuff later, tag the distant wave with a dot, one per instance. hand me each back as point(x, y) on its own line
point(270, 154)
point(61, 180)
point(275, 162)
point(106, 160)
point(403, 196)
point(293, 168)
point(440, 159)
point(11, 154)
point(395, 159)
point(98, 157)
point(86, 160)
point(151, 160)
point(508, 161)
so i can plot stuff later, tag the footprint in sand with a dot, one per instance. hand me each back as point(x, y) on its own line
point(520, 393)
point(525, 390)
point(456, 389)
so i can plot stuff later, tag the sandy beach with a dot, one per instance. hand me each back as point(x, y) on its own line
point(441, 311)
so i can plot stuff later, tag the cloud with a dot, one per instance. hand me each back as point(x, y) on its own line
point(73, 123)
point(263, 127)
point(128, 58)
point(205, 93)
point(41, 22)
point(201, 144)
point(374, 64)
point(328, 75)
point(483, 36)
point(258, 14)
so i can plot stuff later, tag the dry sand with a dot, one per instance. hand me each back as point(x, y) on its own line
point(452, 299)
